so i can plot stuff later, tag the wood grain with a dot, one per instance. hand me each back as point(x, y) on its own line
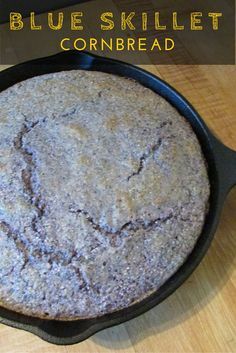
point(201, 315)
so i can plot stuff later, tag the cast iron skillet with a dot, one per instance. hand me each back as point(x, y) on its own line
point(222, 174)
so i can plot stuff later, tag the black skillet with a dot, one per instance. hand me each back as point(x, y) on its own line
point(222, 174)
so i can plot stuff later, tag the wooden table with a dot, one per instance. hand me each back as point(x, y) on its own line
point(201, 315)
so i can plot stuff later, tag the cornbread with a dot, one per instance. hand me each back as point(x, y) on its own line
point(103, 194)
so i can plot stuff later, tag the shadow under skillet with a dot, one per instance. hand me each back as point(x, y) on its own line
point(191, 297)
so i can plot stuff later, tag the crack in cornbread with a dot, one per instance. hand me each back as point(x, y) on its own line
point(143, 158)
point(103, 194)
point(131, 225)
point(27, 173)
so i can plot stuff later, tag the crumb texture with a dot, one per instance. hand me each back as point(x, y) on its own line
point(103, 194)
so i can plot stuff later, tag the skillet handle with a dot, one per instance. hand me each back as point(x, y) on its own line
point(225, 159)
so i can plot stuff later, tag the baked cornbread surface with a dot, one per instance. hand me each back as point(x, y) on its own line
point(103, 194)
